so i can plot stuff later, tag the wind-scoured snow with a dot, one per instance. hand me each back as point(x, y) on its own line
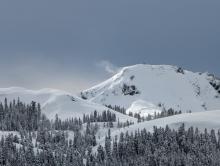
point(58, 102)
point(164, 85)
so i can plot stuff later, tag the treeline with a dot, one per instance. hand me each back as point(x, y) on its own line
point(17, 116)
point(124, 124)
point(162, 147)
point(162, 114)
point(105, 116)
point(46, 148)
point(73, 124)
point(117, 108)
point(49, 144)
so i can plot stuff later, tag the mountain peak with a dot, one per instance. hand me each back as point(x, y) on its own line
point(170, 85)
point(139, 67)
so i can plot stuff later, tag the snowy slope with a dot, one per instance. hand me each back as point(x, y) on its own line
point(56, 102)
point(157, 85)
point(203, 120)
point(143, 108)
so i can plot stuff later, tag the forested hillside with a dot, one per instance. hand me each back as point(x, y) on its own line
point(30, 138)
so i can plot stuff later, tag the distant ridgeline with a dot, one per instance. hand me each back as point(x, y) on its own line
point(40, 141)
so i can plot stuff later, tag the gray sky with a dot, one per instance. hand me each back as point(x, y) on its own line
point(68, 44)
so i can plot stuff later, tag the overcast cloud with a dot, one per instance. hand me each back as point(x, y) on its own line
point(58, 44)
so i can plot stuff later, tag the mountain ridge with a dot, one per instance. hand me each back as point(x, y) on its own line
point(59, 102)
point(168, 85)
point(141, 88)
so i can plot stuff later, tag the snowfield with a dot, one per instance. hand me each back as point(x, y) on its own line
point(168, 86)
point(57, 102)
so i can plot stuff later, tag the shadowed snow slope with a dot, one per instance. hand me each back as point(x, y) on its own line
point(56, 102)
point(168, 86)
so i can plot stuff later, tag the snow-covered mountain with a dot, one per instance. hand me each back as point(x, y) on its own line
point(150, 88)
point(55, 102)
point(140, 88)
point(143, 89)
